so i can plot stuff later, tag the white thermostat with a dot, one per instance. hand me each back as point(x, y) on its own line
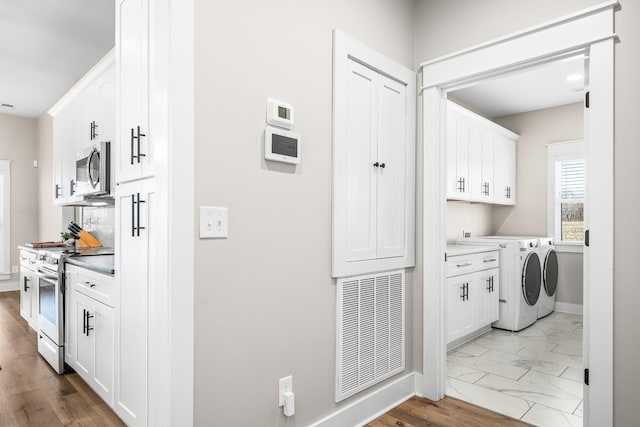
point(281, 145)
point(280, 113)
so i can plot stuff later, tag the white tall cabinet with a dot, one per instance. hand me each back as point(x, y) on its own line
point(373, 162)
point(135, 198)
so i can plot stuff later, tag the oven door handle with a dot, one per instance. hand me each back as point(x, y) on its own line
point(46, 275)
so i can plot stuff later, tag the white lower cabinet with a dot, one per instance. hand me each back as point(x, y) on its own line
point(29, 288)
point(91, 332)
point(472, 293)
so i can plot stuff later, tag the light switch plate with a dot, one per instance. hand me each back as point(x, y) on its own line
point(214, 222)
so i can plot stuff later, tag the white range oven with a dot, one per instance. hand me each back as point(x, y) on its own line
point(51, 307)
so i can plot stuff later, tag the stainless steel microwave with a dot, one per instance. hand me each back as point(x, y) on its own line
point(92, 170)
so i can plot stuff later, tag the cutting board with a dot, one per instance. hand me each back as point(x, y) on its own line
point(45, 245)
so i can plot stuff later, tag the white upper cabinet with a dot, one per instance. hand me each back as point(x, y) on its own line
point(481, 162)
point(373, 162)
point(83, 117)
point(134, 151)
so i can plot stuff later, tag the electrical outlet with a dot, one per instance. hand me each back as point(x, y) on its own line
point(466, 234)
point(14, 268)
point(284, 384)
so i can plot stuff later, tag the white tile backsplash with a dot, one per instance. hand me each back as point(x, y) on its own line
point(100, 222)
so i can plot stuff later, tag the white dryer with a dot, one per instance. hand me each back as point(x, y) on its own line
point(520, 279)
point(549, 262)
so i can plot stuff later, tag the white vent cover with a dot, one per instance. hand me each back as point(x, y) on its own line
point(370, 331)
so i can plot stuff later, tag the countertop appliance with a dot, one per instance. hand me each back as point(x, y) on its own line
point(520, 279)
point(93, 171)
point(51, 289)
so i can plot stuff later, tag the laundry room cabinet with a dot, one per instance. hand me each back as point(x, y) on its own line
point(472, 287)
point(481, 161)
point(374, 172)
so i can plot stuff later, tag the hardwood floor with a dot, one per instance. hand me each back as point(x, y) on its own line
point(448, 412)
point(31, 393)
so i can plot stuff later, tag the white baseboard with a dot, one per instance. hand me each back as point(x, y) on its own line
point(9, 286)
point(373, 405)
point(565, 307)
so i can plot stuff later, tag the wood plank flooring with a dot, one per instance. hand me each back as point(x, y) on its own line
point(31, 393)
point(448, 412)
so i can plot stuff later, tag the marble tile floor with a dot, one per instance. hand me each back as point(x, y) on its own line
point(534, 375)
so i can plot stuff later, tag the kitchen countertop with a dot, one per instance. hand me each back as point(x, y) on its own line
point(453, 250)
point(98, 263)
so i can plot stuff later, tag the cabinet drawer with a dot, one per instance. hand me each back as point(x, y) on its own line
point(487, 260)
point(461, 264)
point(95, 285)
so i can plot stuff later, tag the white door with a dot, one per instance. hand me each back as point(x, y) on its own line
point(487, 166)
point(493, 300)
point(462, 176)
point(81, 311)
point(362, 110)
point(468, 305)
point(391, 171)
point(454, 301)
point(482, 287)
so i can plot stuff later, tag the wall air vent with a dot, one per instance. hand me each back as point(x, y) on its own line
point(370, 331)
point(7, 105)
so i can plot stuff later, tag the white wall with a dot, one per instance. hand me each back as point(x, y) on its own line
point(443, 27)
point(476, 218)
point(18, 143)
point(264, 297)
point(529, 216)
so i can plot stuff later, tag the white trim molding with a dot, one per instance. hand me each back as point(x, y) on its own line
point(373, 405)
point(565, 307)
point(9, 286)
point(588, 32)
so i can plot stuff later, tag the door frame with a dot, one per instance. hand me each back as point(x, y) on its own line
point(589, 31)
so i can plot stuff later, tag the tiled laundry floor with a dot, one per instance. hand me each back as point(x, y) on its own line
point(534, 375)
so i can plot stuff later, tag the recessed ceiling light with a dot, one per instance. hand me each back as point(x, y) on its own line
point(574, 77)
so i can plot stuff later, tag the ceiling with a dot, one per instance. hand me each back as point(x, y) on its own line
point(47, 46)
point(543, 87)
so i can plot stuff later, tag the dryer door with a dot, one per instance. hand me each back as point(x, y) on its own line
point(550, 276)
point(531, 278)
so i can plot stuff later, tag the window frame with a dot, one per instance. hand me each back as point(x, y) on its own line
point(559, 152)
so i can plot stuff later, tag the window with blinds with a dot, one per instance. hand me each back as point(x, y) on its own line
point(570, 201)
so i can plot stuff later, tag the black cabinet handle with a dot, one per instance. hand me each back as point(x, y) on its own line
point(133, 156)
point(136, 136)
point(58, 191)
point(72, 187)
point(133, 215)
point(376, 164)
point(462, 289)
point(95, 126)
point(84, 321)
point(26, 287)
point(139, 227)
point(89, 328)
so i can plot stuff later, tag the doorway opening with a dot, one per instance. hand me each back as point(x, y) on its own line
point(535, 373)
point(589, 32)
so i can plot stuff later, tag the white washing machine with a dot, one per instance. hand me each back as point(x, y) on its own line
point(520, 279)
point(549, 262)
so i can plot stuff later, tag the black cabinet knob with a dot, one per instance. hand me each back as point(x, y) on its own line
point(376, 164)
point(382, 165)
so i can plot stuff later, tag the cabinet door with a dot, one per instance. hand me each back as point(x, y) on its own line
point(81, 311)
point(455, 290)
point(475, 162)
point(71, 319)
point(135, 204)
point(505, 170)
point(482, 285)
point(487, 189)
point(105, 107)
point(458, 149)
point(26, 290)
point(468, 306)
point(133, 153)
point(391, 172)
point(493, 299)
point(102, 332)
point(360, 158)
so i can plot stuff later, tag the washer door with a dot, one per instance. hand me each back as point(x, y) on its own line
point(550, 276)
point(531, 279)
